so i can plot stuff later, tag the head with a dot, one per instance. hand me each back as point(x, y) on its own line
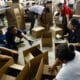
point(12, 29)
point(46, 10)
point(60, 6)
point(73, 24)
point(65, 53)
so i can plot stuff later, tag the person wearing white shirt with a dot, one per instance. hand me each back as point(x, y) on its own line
point(35, 11)
point(70, 60)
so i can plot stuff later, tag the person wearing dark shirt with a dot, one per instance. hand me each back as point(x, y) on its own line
point(74, 31)
point(11, 34)
point(66, 13)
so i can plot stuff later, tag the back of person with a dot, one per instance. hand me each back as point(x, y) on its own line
point(67, 11)
point(46, 19)
point(70, 70)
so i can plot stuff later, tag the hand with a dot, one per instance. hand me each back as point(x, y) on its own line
point(51, 69)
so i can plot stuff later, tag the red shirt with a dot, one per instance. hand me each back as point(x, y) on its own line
point(67, 11)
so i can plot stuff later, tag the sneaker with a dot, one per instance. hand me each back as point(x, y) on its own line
point(30, 42)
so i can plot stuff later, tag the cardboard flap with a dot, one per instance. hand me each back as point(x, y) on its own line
point(5, 64)
point(40, 71)
point(25, 52)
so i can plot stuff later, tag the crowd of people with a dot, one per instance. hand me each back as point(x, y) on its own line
point(66, 55)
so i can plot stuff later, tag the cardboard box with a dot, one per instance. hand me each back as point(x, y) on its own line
point(43, 72)
point(56, 30)
point(34, 63)
point(37, 32)
point(17, 72)
point(15, 16)
point(47, 39)
point(5, 62)
point(34, 58)
point(35, 54)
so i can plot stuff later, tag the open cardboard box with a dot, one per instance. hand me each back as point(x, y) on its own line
point(34, 53)
point(5, 62)
point(43, 72)
point(33, 59)
point(16, 72)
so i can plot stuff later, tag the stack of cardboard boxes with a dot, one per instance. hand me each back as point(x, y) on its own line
point(15, 16)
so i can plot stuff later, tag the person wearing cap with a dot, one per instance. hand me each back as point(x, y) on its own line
point(70, 60)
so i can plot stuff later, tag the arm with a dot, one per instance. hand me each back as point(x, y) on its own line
point(26, 38)
point(20, 34)
point(56, 63)
point(8, 50)
point(67, 17)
